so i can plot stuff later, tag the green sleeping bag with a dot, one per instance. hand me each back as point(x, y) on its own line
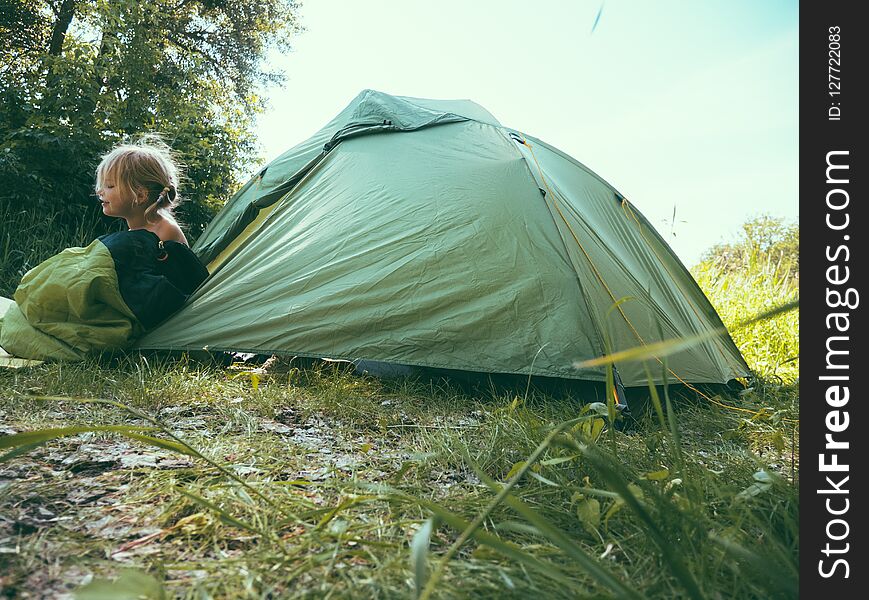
point(100, 297)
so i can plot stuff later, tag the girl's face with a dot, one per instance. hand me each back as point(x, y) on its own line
point(114, 202)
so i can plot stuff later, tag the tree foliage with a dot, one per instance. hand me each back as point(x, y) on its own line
point(78, 76)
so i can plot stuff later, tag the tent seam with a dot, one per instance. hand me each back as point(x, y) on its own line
point(583, 295)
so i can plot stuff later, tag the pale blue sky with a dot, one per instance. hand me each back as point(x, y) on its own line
point(691, 104)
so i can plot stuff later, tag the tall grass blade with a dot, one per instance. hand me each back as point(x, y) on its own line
point(769, 314)
point(225, 517)
point(669, 551)
point(554, 535)
point(671, 420)
point(419, 554)
point(20, 450)
point(507, 549)
point(675, 345)
point(478, 520)
point(182, 446)
point(783, 582)
point(335, 511)
point(34, 439)
point(164, 444)
point(656, 399)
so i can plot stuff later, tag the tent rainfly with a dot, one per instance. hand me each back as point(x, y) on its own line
point(423, 232)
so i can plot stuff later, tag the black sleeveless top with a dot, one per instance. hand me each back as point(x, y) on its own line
point(155, 277)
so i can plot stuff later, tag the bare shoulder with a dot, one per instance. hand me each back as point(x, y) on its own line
point(167, 229)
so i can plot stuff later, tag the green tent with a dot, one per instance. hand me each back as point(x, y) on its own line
point(423, 232)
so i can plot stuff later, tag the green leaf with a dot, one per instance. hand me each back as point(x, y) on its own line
point(514, 469)
point(517, 527)
point(591, 429)
point(614, 508)
point(588, 511)
point(131, 585)
point(558, 460)
point(657, 475)
point(778, 441)
point(619, 503)
point(542, 479)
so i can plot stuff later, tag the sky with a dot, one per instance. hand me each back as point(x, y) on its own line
point(686, 108)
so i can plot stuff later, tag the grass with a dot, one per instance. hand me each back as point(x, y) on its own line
point(26, 241)
point(313, 482)
point(760, 281)
point(351, 468)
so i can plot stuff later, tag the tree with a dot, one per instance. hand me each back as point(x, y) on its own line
point(78, 76)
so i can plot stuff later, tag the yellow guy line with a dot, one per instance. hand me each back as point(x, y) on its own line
point(578, 243)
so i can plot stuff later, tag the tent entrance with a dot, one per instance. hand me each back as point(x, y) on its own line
point(253, 226)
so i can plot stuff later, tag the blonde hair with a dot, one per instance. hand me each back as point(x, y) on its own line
point(146, 164)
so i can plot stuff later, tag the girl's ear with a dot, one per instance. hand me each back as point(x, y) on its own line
point(141, 195)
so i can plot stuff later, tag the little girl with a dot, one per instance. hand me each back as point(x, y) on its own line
point(106, 295)
point(139, 183)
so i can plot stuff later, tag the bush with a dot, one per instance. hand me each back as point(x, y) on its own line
point(757, 273)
